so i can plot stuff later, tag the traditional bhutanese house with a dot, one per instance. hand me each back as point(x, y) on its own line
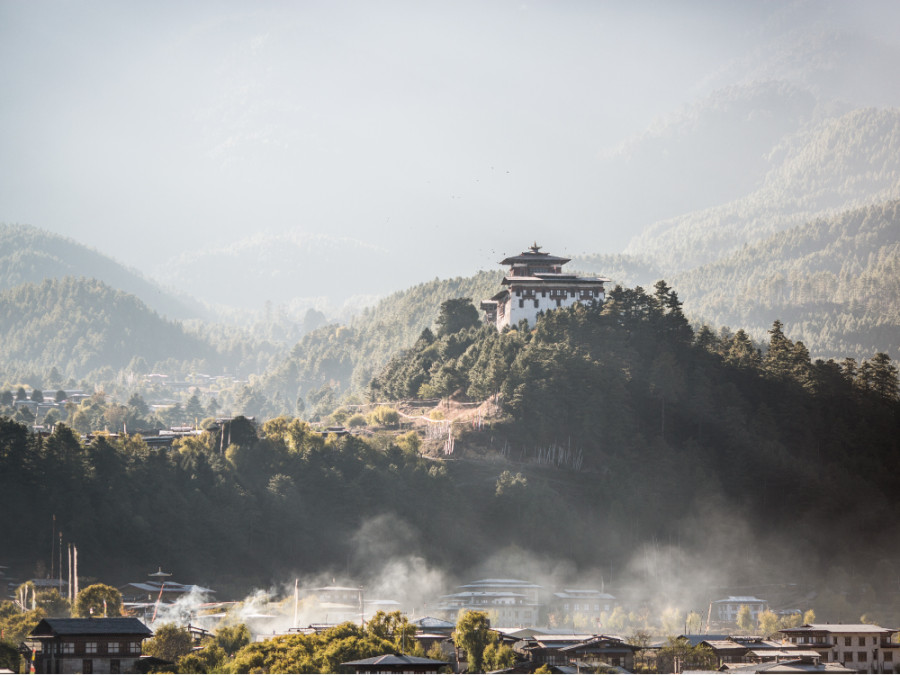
point(511, 602)
point(396, 663)
point(591, 603)
point(536, 283)
point(863, 647)
point(601, 650)
point(752, 649)
point(541, 649)
point(107, 645)
point(727, 609)
point(802, 664)
point(429, 624)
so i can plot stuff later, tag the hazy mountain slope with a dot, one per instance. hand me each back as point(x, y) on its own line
point(687, 159)
point(306, 270)
point(345, 358)
point(624, 270)
point(846, 64)
point(30, 255)
point(79, 325)
point(834, 283)
point(839, 164)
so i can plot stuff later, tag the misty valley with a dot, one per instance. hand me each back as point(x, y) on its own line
point(598, 468)
point(518, 337)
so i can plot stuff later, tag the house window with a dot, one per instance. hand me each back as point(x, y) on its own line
point(521, 303)
point(135, 647)
point(68, 647)
point(861, 657)
point(112, 647)
point(90, 647)
point(535, 303)
point(848, 641)
point(862, 642)
point(888, 656)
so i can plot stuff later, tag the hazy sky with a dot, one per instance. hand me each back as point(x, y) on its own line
point(148, 128)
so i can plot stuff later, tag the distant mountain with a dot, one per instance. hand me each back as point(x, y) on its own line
point(708, 152)
point(283, 268)
point(833, 282)
point(79, 325)
point(30, 255)
point(835, 165)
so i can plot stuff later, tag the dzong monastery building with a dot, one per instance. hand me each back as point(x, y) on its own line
point(535, 283)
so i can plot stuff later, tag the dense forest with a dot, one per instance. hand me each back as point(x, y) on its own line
point(30, 255)
point(618, 427)
point(835, 284)
point(79, 325)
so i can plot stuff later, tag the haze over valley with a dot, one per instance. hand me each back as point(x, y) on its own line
point(251, 284)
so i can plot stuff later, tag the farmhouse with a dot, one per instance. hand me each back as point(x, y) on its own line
point(107, 645)
point(536, 283)
point(867, 648)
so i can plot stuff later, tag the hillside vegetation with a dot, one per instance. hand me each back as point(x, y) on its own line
point(834, 283)
point(30, 255)
point(337, 360)
point(838, 164)
point(619, 422)
point(81, 326)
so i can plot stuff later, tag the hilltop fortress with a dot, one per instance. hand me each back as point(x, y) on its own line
point(536, 283)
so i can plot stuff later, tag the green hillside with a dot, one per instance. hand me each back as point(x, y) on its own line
point(839, 164)
point(79, 325)
point(834, 283)
point(623, 441)
point(30, 255)
point(335, 360)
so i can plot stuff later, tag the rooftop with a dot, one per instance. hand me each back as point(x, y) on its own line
point(124, 625)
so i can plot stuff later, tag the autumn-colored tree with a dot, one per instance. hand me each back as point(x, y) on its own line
point(97, 600)
point(473, 633)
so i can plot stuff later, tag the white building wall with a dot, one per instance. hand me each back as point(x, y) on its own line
point(512, 313)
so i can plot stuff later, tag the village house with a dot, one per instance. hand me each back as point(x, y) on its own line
point(396, 663)
point(103, 645)
point(536, 283)
point(727, 609)
point(866, 648)
point(589, 603)
point(744, 649)
point(581, 650)
point(509, 602)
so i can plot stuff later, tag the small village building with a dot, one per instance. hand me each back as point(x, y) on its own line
point(590, 603)
point(103, 645)
point(536, 283)
point(584, 650)
point(396, 663)
point(727, 609)
point(863, 647)
point(509, 602)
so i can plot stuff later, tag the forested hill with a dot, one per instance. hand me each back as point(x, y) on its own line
point(838, 164)
point(834, 283)
point(335, 360)
point(30, 255)
point(670, 423)
point(624, 441)
point(79, 325)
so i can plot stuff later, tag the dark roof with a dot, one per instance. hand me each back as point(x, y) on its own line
point(534, 255)
point(124, 625)
point(395, 660)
